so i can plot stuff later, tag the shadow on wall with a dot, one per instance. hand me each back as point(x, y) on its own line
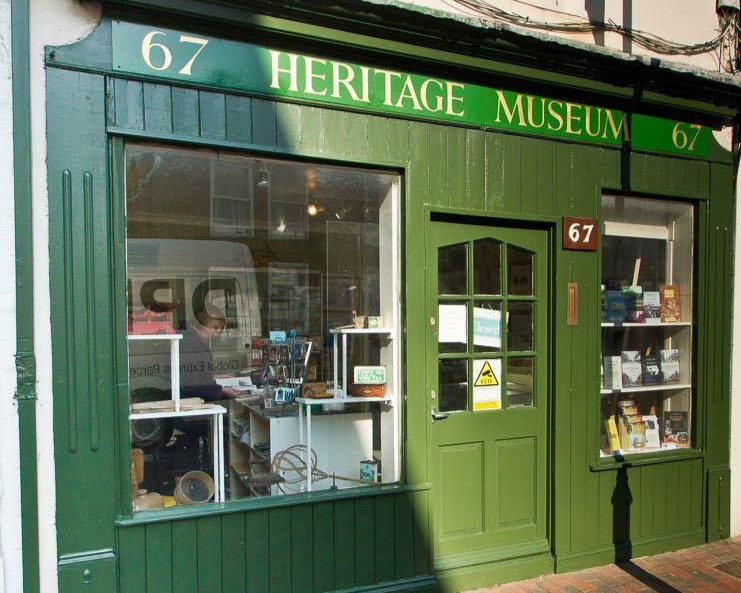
point(596, 13)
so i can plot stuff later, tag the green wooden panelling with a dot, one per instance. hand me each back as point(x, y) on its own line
point(473, 170)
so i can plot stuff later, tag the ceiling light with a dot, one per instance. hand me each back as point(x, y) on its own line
point(263, 175)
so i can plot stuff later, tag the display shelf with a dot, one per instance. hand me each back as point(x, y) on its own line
point(174, 340)
point(648, 325)
point(363, 330)
point(648, 388)
point(217, 418)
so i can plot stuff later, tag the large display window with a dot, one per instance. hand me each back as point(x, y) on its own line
point(263, 317)
point(646, 390)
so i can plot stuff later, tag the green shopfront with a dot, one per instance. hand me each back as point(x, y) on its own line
point(340, 310)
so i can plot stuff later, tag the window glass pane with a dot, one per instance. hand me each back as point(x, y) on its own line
point(452, 269)
point(520, 271)
point(453, 385)
point(520, 328)
point(487, 267)
point(257, 272)
point(487, 326)
point(520, 373)
point(647, 310)
point(452, 333)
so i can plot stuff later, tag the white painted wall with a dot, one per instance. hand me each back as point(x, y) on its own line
point(10, 508)
point(684, 21)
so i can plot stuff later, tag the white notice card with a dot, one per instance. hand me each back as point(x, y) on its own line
point(453, 324)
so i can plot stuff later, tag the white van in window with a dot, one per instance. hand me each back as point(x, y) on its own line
point(169, 282)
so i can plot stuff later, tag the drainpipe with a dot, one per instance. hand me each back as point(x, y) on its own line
point(25, 359)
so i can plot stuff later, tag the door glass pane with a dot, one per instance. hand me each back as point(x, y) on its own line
point(520, 326)
point(452, 333)
point(487, 267)
point(487, 326)
point(451, 269)
point(453, 385)
point(520, 382)
point(520, 271)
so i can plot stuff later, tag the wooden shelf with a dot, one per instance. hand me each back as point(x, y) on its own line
point(661, 324)
point(647, 388)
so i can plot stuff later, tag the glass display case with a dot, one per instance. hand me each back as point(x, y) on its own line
point(646, 390)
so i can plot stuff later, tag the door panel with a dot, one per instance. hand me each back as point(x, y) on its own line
point(487, 379)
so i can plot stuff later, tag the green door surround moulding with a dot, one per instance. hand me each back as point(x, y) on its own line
point(197, 59)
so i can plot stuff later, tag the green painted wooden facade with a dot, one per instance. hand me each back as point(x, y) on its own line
point(380, 540)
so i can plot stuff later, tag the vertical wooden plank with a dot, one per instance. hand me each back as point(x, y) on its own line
point(378, 138)
point(212, 107)
point(185, 112)
point(355, 135)
point(672, 501)
point(421, 533)
point(512, 167)
point(129, 104)
point(257, 552)
point(233, 550)
point(437, 171)
point(384, 538)
point(635, 482)
point(660, 496)
point(157, 108)
point(312, 128)
point(546, 178)
point(302, 568)
point(323, 545)
point(604, 514)
point(364, 541)
point(684, 497)
point(344, 544)
point(288, 125)
point(404, 528)
point(530, 171)
point(494, 147)
point(646, 503)
point(263, 122)
point(456, 167)
point(208, 537)
point(695, 495)
point(132, 560)
point(609, 168)
point(238, 119)
point(158, 567)
point(398, 135)
point(476, 169)
point(184, 557)
point(279, 543)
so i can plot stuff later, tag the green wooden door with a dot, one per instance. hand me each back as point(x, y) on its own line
point(487, 379)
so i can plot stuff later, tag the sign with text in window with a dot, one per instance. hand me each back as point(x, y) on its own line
point(487, 385)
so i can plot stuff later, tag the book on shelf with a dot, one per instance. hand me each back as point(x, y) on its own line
point(637, 433)
point(676, 431)
point(633, 298)
point(613, 436)
point(651, 369)
point(613, 372)
point(630, 360)
point(670, 365)
point(651, 307)
point(670, 311)
point(614, 306)
point(653, 440)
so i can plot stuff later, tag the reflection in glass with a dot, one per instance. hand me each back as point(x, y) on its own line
point(453, 327)
point(453, 385)
point(486, 267)
point(520, 374)
point(520, 326)
point(520, 271)
point(451, 269)
point(487, 326)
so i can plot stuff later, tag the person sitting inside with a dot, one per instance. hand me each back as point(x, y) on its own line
point(196, 359)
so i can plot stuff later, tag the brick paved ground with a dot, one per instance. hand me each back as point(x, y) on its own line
point(704, 569)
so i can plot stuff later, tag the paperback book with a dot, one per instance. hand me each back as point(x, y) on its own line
point(651, 307)
point(633, 297)
point(670, 311)
point(632, 369)
point(670, 365)
point(676, 433)
point(613, 372)
point(614, 306)
point(651, 369)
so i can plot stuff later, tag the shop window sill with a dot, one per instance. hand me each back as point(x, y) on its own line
point(238, 506)
point(636, 459)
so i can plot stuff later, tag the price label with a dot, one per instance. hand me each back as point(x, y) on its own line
point(580, 233)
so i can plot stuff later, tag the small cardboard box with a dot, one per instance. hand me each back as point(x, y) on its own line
point(361, 390)
point(315, 390)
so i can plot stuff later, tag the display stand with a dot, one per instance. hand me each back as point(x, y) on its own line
point(340, 390)
point(174, 340)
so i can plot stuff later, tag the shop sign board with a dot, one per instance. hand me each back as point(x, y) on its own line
point(487, 385)
point(197, 59)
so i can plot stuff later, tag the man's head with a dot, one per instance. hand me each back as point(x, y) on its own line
point(210, 321)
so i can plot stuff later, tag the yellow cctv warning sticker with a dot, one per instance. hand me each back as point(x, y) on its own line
point(486, 376)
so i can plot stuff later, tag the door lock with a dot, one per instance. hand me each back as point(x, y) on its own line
point(437, 415)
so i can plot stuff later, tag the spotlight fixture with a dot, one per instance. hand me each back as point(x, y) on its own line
point(314, 209)
point(263, 175)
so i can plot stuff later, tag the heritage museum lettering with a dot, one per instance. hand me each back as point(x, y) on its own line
point(166, 53)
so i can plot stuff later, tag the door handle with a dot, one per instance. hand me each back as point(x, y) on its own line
point(437, 415)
